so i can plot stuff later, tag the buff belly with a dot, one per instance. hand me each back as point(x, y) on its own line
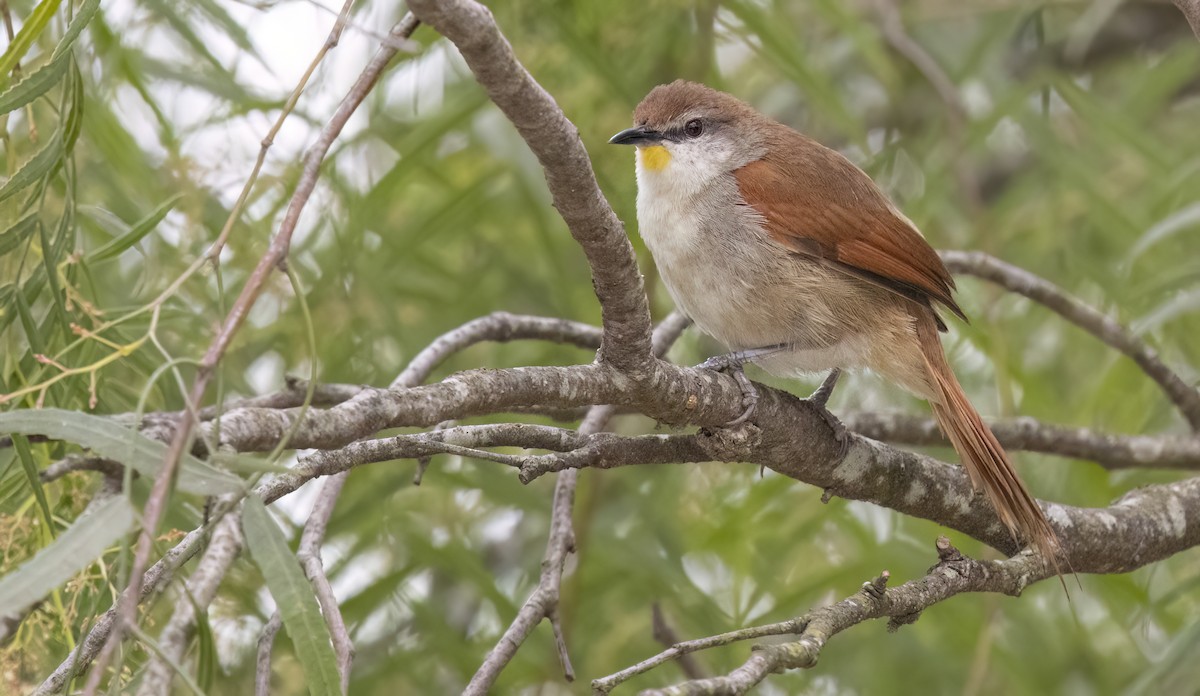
point(723, 271)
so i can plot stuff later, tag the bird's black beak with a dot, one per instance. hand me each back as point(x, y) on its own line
point(638, 135)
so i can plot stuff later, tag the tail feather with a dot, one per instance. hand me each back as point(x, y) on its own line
point(986, 461)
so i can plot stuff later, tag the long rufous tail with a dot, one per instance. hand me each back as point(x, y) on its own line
point(986, 461)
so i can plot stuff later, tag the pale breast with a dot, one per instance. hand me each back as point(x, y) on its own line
point(738, 286)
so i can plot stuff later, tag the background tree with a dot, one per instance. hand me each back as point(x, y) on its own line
point(1059, 138)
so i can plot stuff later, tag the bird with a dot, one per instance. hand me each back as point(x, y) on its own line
point(790, 256)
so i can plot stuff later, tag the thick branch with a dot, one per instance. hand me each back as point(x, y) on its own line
point(555, 141)
point(1191, 10)
point(1107, 329)
point(679, 395)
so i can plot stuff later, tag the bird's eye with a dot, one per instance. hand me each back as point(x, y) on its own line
point(693, 128)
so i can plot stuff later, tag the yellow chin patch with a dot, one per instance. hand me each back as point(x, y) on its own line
point(654, 158)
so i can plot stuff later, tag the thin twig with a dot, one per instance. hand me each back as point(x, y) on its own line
point(1185, 397)
point(954, 574)
point(80, 462)
point(198, 592)
point(664, 634)
point(891, 25)
point(155, 579)
point(500, 327)
point(543, 603)
point(262, 663)
point(309, 555)
point(554, 140)
point(276, 253)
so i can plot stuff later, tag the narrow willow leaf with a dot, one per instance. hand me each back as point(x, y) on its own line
point(18, 232)
point(234, 30)
point(1185, 218)
point(135, 234)
point(1178, 305)
point(31, 288)
point(29, 324)
point(74, 121)
point(206, 652)
point(52, 252)
point(247, 463)
point(73, 551)
point(21, 444)
point(83, 16)
point(37, 167)
point(293, 596)
point(34, 85)
point(46, 76)
point(33, 27)
point(108, 439)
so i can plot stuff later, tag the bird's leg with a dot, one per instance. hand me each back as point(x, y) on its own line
point(732, 364)
point(821, 395)
point(819, 400)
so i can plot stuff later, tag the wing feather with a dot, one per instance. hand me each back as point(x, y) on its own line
point(822, 206)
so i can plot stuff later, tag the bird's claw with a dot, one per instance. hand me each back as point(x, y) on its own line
point(732, 366)
point(749, 398)
point(819, 400)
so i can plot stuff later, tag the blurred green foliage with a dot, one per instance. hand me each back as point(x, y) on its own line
point(1079, 159)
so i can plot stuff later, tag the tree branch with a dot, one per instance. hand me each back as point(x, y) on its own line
point(1031, 435)
point(1108, 330)
point(543, 603)
point(276, 254)
point(309, 554)
point(953, 574)
point(576, 195)
point(157, 577)
point(501, 327)
point(198, 593)
point(262, 662)
point(1191, 10)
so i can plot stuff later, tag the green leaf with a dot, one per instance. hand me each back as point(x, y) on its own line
point(34, 85)
point(46, 76)
point(37, 167)
point(83, 16)
point(140, 229)
point(33, 27)
point(74, 121)
point(21, 444)
point(293, 596)
point(1183, 219)
point(1178, 305)
point(73, 551)
point(29, 324)
point(206, 652)
point(18, 232)
point(108, 439)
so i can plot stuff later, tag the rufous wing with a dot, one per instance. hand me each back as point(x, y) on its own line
point(821, 206)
